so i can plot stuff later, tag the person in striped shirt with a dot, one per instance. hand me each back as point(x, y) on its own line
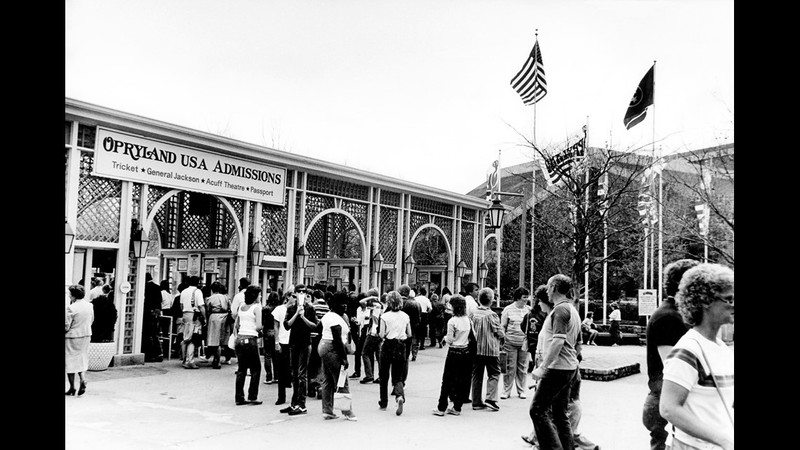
point(697, 396)
point(488, 333)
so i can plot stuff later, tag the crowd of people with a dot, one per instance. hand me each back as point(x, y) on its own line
point(306, 334)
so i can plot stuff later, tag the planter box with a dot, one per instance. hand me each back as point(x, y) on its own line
point(101, 354)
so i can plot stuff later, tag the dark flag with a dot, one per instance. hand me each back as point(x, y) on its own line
point(642, 98)
point(529, 82)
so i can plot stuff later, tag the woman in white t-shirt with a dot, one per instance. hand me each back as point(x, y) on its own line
point(247, 328)
point(395, 328)
point(332, 352)
point(456, 375)
point(697, 394)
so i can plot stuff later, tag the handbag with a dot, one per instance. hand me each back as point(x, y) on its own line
point(342, 401)
point(232, 341)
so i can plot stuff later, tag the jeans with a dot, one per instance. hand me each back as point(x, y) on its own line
point(422, 331)
point(299, 355)
point(371, 355)
point(516, 365)
point(455, 378)
point(549, 409)
point(394, 359)
point(284, 370)
point(314, 366)
point(653, 421)
point(248, 358)
point(359, 339)
point(269, 350)
point(331, 365)
point(408, 344)
point(492, 366)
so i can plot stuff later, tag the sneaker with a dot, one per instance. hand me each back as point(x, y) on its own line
point(241, 402)
point(478, 407)
point(492, 405)
point(227, 362)
point(280, 401)
point(297, 411)
point(400, 401)
point(505, 396)
point(376, 381)
point(190, 365)
point(366, 380)
point(523, 396)
point(255, 402)
point(355, 375)
point(351, 417)
point(453, 412)
point(330, 416)
point(437, 412)
point(287, 410)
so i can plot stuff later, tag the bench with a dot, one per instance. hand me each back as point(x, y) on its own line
point(629, 335)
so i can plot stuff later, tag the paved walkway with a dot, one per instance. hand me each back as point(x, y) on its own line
point(163, 406)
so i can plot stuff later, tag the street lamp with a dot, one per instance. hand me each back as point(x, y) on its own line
point(140, 243)
point(257, 252)
point(483, 270)
point(409, 264)
point(461, 268)
point(301, 257)
point(377, 263)
point(69, 236)
point(496, 213)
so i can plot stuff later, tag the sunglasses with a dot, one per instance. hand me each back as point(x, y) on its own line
point(727, 299)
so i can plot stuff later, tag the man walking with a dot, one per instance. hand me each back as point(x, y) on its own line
point(421, 331)
point(663, 331)
point(413, 311)
point(151, 345)
point(191, 302)
point(488, 333)
point(559, 367)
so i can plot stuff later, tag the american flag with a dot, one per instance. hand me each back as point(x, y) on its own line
point(529, 81)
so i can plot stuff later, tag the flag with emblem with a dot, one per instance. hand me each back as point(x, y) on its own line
point(642, 98)
point(529, 82)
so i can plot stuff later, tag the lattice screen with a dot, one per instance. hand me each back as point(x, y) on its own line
point(99, 203)
point(431, 206)
point(446, 225)
point(417, 220)
point(340, 188)
point(359, 211)
point(390, 198)
point(468, 214)
point(208, 227)
point(315, 204)
point(321, 243)
point(467, 239)
point(388, 234)
point(274, 227)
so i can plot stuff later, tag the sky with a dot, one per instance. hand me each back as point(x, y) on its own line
point(417, 90)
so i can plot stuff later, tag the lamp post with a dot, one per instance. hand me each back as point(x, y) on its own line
point(408, 265)
point(483, 269)
point(496, 213)
point(69, 236)
point(377, 268)
point(257, 252)
point(140, 242)
point(301, 261)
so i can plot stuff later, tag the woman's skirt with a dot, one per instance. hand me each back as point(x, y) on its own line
point(77, 354)
point(216, 322)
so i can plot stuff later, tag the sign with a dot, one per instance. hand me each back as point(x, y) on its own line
point(209, 265)
point(125, 287)
point(129, 157)
point(309, 271)
point(193, 270)
point(423, 277)
point(336, 272)
point(647, 302)
point(321, 271)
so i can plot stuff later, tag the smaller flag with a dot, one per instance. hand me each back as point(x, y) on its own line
point(602, 188)
point(493, 180)
point(642, 98)
point(563, 162)
point(703, 218)
point(529, 82)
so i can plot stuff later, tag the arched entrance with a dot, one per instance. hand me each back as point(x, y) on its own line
point(337, 256)
point(433, 256)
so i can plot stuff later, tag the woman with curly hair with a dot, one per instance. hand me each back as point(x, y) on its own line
point(458, 364)
point(697, 395)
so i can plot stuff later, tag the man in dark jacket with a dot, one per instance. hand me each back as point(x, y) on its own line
point(414, 311)
point(151, 345)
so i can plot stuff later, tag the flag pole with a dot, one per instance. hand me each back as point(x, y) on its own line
point(605, 231)
point(585, 213)
point(499, 236)
point(533, 182)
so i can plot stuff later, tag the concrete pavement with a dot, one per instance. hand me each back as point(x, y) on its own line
point(163, 406)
